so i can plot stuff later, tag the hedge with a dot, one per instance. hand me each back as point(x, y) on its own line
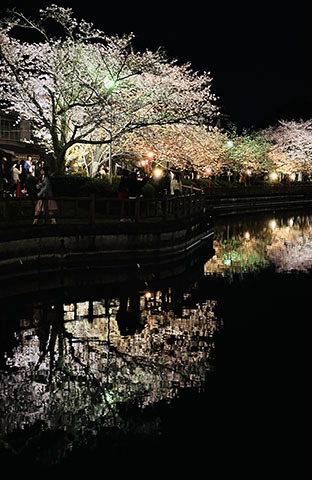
point(82, 186)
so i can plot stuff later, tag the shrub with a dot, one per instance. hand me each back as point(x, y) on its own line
point(82, 186)
point(97, 186)
point(68, 185)
point(148, 191)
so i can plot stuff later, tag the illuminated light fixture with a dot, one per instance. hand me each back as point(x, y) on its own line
point(247, 235)
point(158, 172)
point(148, 295)
point(273, 176)
point(150, 154)
point(109, 83)
point(248, 172)
point(272, 224)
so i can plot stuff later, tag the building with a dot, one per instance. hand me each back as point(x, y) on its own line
point(14, 138)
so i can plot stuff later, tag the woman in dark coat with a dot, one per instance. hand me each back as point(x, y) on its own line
point(45, 190)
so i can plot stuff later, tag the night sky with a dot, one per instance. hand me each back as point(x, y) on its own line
point(259, 59)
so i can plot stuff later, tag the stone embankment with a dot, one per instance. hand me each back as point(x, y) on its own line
point(78, 254)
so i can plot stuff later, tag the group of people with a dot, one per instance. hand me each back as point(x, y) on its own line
point(131, 184)
point(28, 178)
point(19, 177)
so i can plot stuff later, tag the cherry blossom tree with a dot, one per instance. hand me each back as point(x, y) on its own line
point(84, 87)
point(248, 154)
point(181, 146)
point(291, 143)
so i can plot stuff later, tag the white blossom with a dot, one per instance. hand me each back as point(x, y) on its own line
point(291, 145)
point(86, 87)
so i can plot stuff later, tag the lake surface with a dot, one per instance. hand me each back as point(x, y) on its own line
point(193, 372)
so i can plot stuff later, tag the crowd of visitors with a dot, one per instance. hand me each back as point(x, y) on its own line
point(30, 178)
point(19, 177)
point(131, 185)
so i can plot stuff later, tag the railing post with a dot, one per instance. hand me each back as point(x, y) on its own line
point(164, 206)
point(137, 209)
point(92, 209)
point(122, 208)
point(190, 199)
point(5, 207)
point(201, 207)
point(46, 209)
point(176, 206)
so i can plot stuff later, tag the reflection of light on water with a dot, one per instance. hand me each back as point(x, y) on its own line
point(282, 242)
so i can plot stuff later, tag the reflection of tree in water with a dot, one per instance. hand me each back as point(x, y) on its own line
point(242, 253)
point(76, 364)
point(291, 245)
point(246, 247)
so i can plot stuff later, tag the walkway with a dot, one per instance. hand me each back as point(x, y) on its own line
point(94, 211)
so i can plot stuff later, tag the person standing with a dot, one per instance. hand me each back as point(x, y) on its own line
point(28, 165)
point(16, 172)
point(4, 177)
point(45, 191)
point(176, 185)
point(123, 186)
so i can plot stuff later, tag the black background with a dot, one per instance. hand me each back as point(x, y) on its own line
point(259, 58)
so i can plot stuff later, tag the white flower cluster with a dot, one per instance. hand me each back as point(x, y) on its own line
point(86, 87)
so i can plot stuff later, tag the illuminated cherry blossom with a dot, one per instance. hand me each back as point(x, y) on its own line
point(291, 145)
point(86, 87)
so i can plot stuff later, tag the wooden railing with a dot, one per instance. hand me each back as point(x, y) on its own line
point(94, 210)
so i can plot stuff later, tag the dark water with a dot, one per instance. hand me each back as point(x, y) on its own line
point(210, 370)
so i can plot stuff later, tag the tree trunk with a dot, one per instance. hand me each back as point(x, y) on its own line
point(59, 163)
point(59, 150)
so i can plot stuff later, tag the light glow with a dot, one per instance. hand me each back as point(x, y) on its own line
point(158, 172)
point(109, 83)
point(273, 176)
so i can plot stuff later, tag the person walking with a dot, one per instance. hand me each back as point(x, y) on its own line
point(46, 192)
point(16, 171)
